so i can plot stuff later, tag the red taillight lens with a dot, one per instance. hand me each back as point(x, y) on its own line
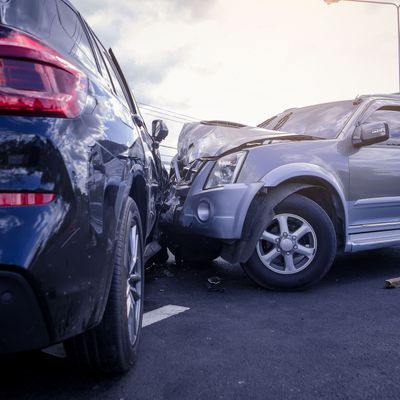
point(25, 199)
point(36, 80)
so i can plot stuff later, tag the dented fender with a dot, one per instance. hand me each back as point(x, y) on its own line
point(259, 216)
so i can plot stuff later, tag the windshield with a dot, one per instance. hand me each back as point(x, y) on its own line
point(324, 121)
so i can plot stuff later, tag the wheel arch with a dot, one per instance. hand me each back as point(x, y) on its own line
point(307, 179)
point(323, 181)
point(326, 196)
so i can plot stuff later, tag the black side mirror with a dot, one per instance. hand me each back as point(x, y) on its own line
point(367, 134)
point(159, 130)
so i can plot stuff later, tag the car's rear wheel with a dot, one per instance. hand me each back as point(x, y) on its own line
point(112, 346)
point(296, 249)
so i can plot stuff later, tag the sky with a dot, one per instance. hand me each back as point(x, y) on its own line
point(245, 61)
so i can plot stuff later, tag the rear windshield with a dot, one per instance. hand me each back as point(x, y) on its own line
point(53, 22)
point(33, 16)
point(325, 121)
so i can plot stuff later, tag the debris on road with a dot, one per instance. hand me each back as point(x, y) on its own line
point(214, 284)
point(392, 283)
point(56, 351)
point(168, 273)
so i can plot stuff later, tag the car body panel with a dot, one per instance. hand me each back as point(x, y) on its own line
point(64, 250)
point(363, 179)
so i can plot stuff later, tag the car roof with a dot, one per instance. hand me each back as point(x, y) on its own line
point(357, 100)
point(392, 96)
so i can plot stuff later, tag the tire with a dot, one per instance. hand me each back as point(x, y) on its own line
point(112, 346)
point(312, 251)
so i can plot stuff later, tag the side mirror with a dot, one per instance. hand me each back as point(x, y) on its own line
point(367, 134)
point(159, 130)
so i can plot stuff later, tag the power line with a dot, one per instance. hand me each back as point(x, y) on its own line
point(157, 113)
point(168, 147)
point(167, 118)
point(169, 111)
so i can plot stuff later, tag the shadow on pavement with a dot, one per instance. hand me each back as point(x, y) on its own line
point(41, 376)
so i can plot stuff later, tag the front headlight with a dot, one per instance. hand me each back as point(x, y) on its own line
point(226, 170)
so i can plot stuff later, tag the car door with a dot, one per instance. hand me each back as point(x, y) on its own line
point(375, 175)
point(152, 172)
point(153, 175)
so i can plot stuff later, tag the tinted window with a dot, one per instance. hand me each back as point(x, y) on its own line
point(73, 27)
point(118, 89)
point(325, 121)
point(67, 18)
point(103, 68)
point(53, 22)
point(115, 79)
point(390, 115)
point(33, 16)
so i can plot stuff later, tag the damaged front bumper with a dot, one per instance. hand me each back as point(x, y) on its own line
point(217, 213)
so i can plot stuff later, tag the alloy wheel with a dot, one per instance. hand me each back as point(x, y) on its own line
point(288, 245)
point(134, 284)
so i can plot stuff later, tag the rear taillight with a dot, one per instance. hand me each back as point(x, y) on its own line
point(25, 199)
point(36, 80)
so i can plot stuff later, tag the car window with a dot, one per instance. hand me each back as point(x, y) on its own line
point(68, 18)
point(108, 69)
point(114, 78)
point(103, 69)
point(40, 18)
point(325, 121)
point(390, 115)
point(72, 25)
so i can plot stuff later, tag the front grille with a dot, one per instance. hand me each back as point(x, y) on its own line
point(189, 172)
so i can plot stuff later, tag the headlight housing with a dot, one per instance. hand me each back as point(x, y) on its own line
point(226, 170)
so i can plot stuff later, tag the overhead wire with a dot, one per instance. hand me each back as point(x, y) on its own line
point(169, 111)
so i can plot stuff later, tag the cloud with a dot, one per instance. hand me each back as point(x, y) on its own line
point(246, 61)
point(197, 9)
point(148, 9)
point(143, 34)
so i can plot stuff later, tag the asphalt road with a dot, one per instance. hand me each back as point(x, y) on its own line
point(339, 340)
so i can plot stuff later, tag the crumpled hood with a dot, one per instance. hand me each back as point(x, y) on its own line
point(211, 139)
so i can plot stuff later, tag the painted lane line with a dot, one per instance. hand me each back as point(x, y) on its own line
point(159, 314)
point(149, 318)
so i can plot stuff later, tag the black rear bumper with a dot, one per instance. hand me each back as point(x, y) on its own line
point(22, 324)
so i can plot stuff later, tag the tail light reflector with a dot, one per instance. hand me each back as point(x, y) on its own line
point(36, 80)
point(25, 199)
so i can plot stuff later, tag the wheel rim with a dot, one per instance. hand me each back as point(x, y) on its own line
point(288, 245)
point(134, 285)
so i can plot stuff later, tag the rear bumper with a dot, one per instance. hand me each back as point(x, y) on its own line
point(22, 326)
point(57, 247)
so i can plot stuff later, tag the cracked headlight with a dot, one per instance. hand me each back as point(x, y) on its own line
point(226, 170)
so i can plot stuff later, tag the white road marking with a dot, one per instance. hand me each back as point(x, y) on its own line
point(149, 318)
point(165, 312)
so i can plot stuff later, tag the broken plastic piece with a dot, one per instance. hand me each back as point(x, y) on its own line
point(392, 283)
point(214, 284)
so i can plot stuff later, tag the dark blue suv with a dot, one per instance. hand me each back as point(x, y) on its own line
point(80, 190)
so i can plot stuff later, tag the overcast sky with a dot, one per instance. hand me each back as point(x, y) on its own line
point(247, 60)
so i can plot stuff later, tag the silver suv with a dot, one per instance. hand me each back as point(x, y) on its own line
point(284, 197)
